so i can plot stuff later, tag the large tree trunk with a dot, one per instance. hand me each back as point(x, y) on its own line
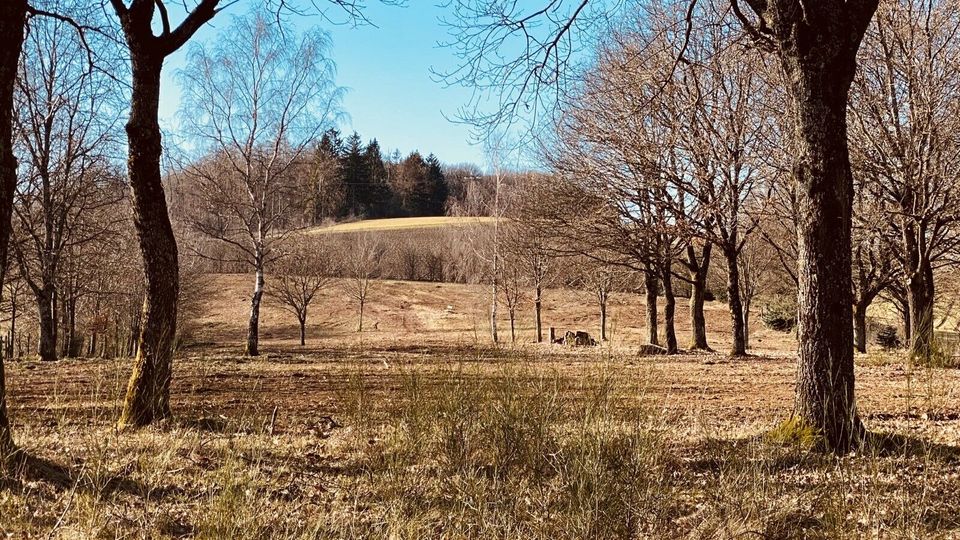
point(817, 49)
point(860, 326)
point(650, 288)
point(47, 344)
point(12, 17)
point(698, 271)
point(253, 326)
point(537, 307)
point(148, 392)
point(669, 309)
point(737, 325)
point(920, 297)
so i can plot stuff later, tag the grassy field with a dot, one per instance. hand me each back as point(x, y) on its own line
point(397, 224)
point(420, 428)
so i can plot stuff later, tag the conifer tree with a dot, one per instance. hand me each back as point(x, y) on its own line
point(377, 192)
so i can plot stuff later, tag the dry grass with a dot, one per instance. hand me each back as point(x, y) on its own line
point(469, 442)
point(418, 430)
point(396, 224)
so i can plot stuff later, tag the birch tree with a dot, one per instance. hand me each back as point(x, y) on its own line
point(256, 120)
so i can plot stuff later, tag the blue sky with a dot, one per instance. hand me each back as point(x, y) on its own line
point(391, 93)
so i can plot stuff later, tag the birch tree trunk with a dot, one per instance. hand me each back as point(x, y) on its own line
point(253, 327)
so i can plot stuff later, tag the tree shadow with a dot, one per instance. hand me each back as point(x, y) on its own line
point(713, 455)
point(897, 445)
point(24, 467)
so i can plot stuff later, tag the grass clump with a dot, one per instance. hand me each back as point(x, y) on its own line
point(794, 432)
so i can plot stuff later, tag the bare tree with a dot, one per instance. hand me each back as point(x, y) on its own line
point(362, 268)
point(602, 280)
point(257, 121)
point(722, 134)
point(530, 244)
point(65, 133)
point(757, 267)
point(148, 392)
point(874, 260)
point(512, 282)
point(816, 46)
point(904, 118)
point(486, 238)
point(302, 272)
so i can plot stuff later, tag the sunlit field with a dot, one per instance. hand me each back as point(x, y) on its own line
point(423, 433)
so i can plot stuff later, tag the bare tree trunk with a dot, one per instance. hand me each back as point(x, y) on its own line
point(739, 346)
point(820, 67)
point(303, 329)
point(746, 321)
point(650, 288)
point(669, 309)
point(253, 328)
point(47, 344)
point(860, 327)
point(7, 447)
point(12, 17)
point(148, 392)
point(513, 331)
point(360, 323)
point(920, 297)
point(698, 271)
point(603, 317)
point(537, 307)
point(13, 329)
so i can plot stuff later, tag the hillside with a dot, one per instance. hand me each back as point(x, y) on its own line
point(421, 313)
point(394, 224)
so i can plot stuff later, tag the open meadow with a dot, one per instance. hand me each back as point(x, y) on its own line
point(419, 428)
point(594, 269)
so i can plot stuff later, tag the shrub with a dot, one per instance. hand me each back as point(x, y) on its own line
point(780, 314)
point(887, 337)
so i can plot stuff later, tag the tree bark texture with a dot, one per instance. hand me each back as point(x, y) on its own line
point(817, 45)
point(860, 326)
point(148, 392)
point(735, 303)
point(12, 20)
point(920, 297)
point(669, 309)
point(46, 313)
point(698, 272)
point(650, 288)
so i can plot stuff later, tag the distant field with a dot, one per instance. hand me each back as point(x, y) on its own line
point(394, 224)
